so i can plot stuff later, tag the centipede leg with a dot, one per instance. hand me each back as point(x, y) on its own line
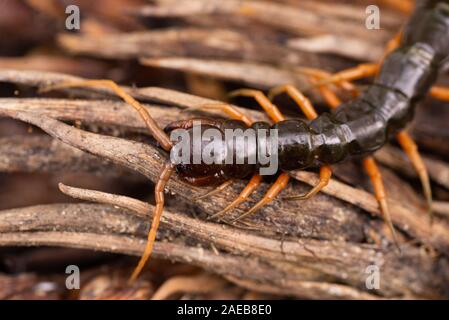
point(440, 93)
point(351, 74)
point(218, 189)
point(325, 176)
point(411, 149)
point(331, 98)
point(319, 74)
point(379, 190)
point(157, 213)
point(364, 70)
point(151, 124)
point(392, 45)
point(252, 185)
point(280, 184)
point(360, 71)
point(229, 110)
point(404, 6)
point(272, 111)
point(301, 100)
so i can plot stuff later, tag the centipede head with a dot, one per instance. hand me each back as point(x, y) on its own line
point(200, 151)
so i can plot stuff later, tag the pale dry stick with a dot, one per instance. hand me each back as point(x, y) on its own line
point(120, 201)
point(223, 237)
point(441, 207)
point(181, 253)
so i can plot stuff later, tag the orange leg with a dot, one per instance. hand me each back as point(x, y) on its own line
point(271, 110)
point(280, 184)
point(229, 110)
point(392, 45)
point(325, 176)
point(319, 74)
point(252, 185)
point(332, 100)
point(405, 6)
point(157, 213)
point(151, 124)
point(362, 70)
point(351, 74)
point(304, 103)
point(411, 149)
point(440, 93)
point(218, 189)
point(379, 191)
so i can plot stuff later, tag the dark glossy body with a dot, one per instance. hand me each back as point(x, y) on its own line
point(363, 125)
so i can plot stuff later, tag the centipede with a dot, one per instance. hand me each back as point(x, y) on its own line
point(405, 75)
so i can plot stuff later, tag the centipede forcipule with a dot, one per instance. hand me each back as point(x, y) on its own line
point(358, 127)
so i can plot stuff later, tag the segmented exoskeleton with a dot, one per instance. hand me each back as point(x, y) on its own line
point(355, 128)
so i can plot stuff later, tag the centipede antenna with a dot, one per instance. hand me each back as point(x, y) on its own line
point(151, 124)
point(216, 190)
point(167, 171)
point(252, 185)
point(411, 149)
